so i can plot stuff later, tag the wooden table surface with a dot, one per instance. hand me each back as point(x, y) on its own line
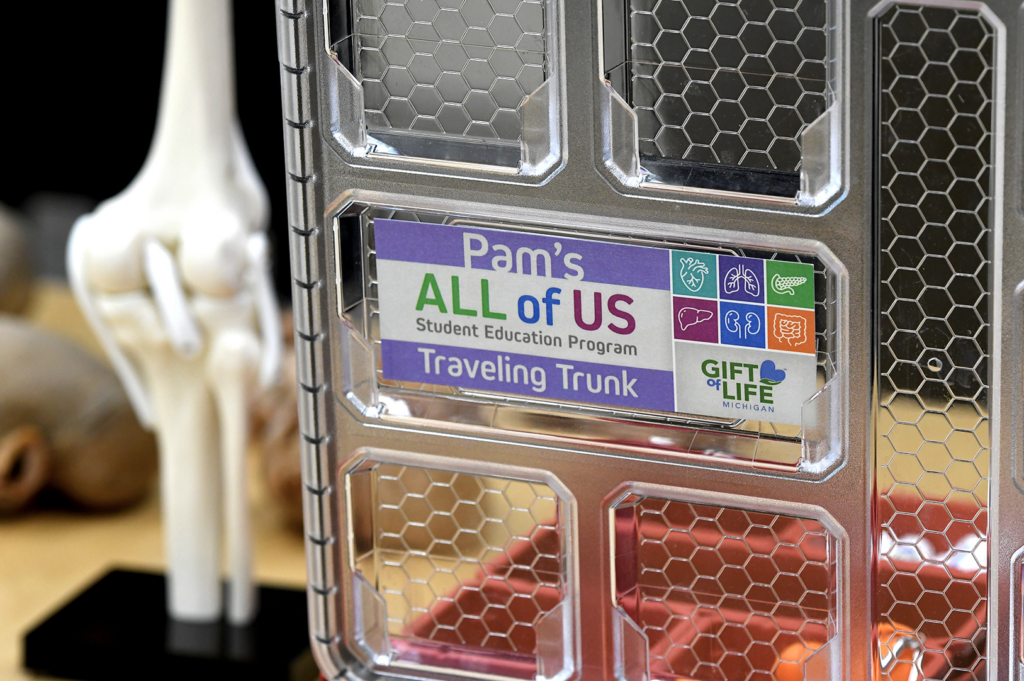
point(48, 556)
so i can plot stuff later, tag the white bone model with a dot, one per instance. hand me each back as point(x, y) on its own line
point(173, 276)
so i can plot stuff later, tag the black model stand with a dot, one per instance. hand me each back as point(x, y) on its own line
point(118, 630)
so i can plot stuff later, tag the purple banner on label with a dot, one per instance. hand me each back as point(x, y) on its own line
point(537, 377)
point(522, 253)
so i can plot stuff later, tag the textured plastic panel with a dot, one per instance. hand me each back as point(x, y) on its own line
point(468, 86)
point(728, 84)
point(935, 208)
point(455, 569)
point(465, 560)
point(723, 593)
point(724, 94)
point(461, 68)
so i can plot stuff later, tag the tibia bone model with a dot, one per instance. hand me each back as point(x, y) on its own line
point(173, 275)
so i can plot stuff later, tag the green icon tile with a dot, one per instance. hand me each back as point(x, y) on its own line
point(790, 284)
point(694, 274)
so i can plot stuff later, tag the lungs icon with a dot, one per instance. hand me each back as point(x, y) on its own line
point(742, 276)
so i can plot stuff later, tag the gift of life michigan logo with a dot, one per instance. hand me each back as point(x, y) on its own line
point(743, 381)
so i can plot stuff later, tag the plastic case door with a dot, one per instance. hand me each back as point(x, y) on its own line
point(465, 88)
point(699, 360)
point(725, 98)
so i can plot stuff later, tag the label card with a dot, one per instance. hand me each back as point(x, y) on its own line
point(603, 323)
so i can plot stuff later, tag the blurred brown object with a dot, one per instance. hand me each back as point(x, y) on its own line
point(15, 265)
point(66, 425)
point(276, 424)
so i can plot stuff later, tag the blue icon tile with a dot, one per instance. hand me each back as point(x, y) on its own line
point(742, 324)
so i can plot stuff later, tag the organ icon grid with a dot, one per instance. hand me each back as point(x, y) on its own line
point(743, 301)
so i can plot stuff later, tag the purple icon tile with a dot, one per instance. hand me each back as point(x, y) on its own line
point(695, 319)
point(741, 279)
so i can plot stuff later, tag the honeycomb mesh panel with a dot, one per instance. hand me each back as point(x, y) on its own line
point(728, 83)
point(462, 561)
point(724, 594)
point(935, 110)
point(449, 67)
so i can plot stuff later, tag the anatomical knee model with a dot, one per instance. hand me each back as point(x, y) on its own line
point(173, 276)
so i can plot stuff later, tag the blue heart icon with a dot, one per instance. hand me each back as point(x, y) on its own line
point(771, 375)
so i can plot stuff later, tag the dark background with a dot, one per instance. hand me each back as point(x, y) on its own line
point(77, 114)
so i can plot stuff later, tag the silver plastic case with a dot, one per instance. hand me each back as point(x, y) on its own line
point(474, 534)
